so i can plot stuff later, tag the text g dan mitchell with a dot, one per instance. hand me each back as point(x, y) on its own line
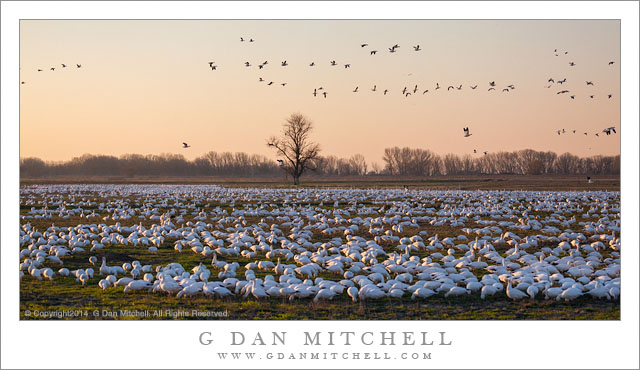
point(328, 338)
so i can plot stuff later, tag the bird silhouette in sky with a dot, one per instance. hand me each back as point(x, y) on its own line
point(572, 64)
point(284, 64)
point(363, 45)
point(589, 83)
point(373, 52)
point(356, 89)
point(466, 132)
point(473, 87)
point(417, 48)
point(185, 145)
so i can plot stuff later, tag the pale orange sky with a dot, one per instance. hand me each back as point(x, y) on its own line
point(145, 86)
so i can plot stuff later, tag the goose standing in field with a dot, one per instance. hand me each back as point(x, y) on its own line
point(513, 293)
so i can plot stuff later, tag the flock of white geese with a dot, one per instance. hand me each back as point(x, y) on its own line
point(366, 243)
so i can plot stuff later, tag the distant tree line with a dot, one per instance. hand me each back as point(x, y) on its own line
point(422, 162)
point(397, 161)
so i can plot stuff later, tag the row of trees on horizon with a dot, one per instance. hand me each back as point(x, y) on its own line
point(396, 161)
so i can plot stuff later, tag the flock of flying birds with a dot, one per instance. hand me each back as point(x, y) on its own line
point(393, 49)
point(551, 80)
point(406, 91)
point(54, 68)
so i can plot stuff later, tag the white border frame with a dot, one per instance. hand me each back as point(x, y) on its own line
point(532, 344)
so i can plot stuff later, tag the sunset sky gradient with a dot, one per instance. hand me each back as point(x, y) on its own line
point(145, 86)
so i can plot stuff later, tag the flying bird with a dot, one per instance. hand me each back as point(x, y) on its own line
point(333, 62)
point(363, 45)
point(610, 63)
point(562, 81)
point(459, 87)
point(424, 92)
point(385, 92)
point(572, 64)
point(591, 96)
point(324, 93)
point(250, 40)
point(374, 88)
point(78, 65)
point(589, 83)
point(64, 65)
point(241, 39)
point(284, 84)
point(437, 86)
point(505, 90)
point(449, 88)
point(573, 96)
point(39, 70)
point(185, 145)
point(417, 48)
point(609, 96)
point(475, 151)
point(312, 64)
point(562, 92)
point(270, 83)
point(247, 64)
point(52, 68)
point(284, 64)
point(485, 153)
point(491, 88)
point(466, 132)
point(473, 87)
point(356, 89)
point(551, 80)
point(347, 65)
point(492, 83)
point(260, 66)
point(373, 52)
point(260, 80)
point(315, 92)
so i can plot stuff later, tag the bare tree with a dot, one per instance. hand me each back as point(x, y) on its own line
point(296, 147)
